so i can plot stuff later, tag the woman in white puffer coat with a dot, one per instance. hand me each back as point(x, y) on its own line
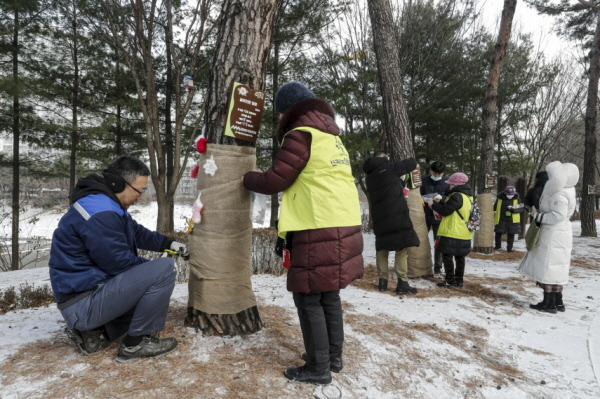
point(548, 262)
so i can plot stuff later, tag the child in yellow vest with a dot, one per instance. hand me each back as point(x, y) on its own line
point(455, 237)
point(507, 218)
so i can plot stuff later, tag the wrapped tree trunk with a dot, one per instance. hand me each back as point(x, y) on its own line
point(396, 122)
point(420, 263)
point(221, 298)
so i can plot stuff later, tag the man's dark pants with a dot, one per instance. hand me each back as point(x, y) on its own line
point(134, 302)
point(437, 254)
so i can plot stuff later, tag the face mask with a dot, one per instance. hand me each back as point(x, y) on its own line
point(509, 196)
point(436, 178)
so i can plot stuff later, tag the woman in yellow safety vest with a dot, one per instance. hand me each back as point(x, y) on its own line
point(320, 222)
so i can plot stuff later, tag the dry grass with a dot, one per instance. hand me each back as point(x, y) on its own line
point(251, 367)
point(585, 263)
point(498, 256)
point(227, 370)
point(489, 290)
point(28, 296)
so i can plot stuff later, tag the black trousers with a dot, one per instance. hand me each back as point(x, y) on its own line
point(437, 254)
point(322, 325)
point(452, 273)
point(510, 240)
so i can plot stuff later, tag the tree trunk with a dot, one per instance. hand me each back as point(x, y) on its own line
point(222, 302)
point(16, 151)
point(484, 238)
point(588, 222)
point(74, 105)
point(396, 122)
point(275, 197)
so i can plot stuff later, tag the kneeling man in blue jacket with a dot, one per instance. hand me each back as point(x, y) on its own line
point(102, 287)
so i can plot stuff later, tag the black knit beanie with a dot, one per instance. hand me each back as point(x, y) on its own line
point(289, 94)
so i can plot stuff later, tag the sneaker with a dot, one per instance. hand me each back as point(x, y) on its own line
point(302, 374)
point(150, 346)
point(88, 342)
point(335, 362)
point(405, 288)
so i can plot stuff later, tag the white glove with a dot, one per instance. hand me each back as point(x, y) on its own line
point(180, 248)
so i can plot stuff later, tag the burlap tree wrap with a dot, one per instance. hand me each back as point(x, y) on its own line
point(419, 258)
point(221, 244)
point(483, 239)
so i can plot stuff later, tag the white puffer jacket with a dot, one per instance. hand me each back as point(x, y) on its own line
point(549, 261)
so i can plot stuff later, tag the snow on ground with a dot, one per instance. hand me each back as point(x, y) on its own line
point(454, 345)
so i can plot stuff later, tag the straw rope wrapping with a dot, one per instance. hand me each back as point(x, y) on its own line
point(220, 247)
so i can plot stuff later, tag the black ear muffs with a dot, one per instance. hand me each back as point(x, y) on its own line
point(115, 182)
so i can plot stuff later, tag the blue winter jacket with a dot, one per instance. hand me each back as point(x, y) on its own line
point(96, 240)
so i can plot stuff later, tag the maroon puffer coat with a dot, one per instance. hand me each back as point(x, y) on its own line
point(322, 259)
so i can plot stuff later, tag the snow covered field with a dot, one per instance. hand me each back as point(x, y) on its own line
point(481, 341)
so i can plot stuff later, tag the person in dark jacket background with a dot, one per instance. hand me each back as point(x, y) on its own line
point(507, 218)
point(532, 198)
point(320, 221)
point(455, 237)
point(103, 288)
point(435, 183)
point(391, 220)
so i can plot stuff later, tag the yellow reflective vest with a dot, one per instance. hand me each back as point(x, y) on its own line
point(452, 225)
point(516, 217)
point(324, 194)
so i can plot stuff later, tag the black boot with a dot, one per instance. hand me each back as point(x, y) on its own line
point(550, 306)
point(335, 361)
point(382, 284)
point(405, 288)
point(448, 283)
point(540, 305)
point(560, 306)
point(302, 374)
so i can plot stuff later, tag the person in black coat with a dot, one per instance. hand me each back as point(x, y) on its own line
point(435, 183)
point(507, 218)
point(391, 220)
point(532, 198)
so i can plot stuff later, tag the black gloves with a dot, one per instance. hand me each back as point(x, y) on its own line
point(279, 245)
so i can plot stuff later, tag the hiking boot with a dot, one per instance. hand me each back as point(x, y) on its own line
point(335, 362)
point(88, 342)
point(302, 374)
point(382, 284)
point(150, 346)
point(405, 288)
